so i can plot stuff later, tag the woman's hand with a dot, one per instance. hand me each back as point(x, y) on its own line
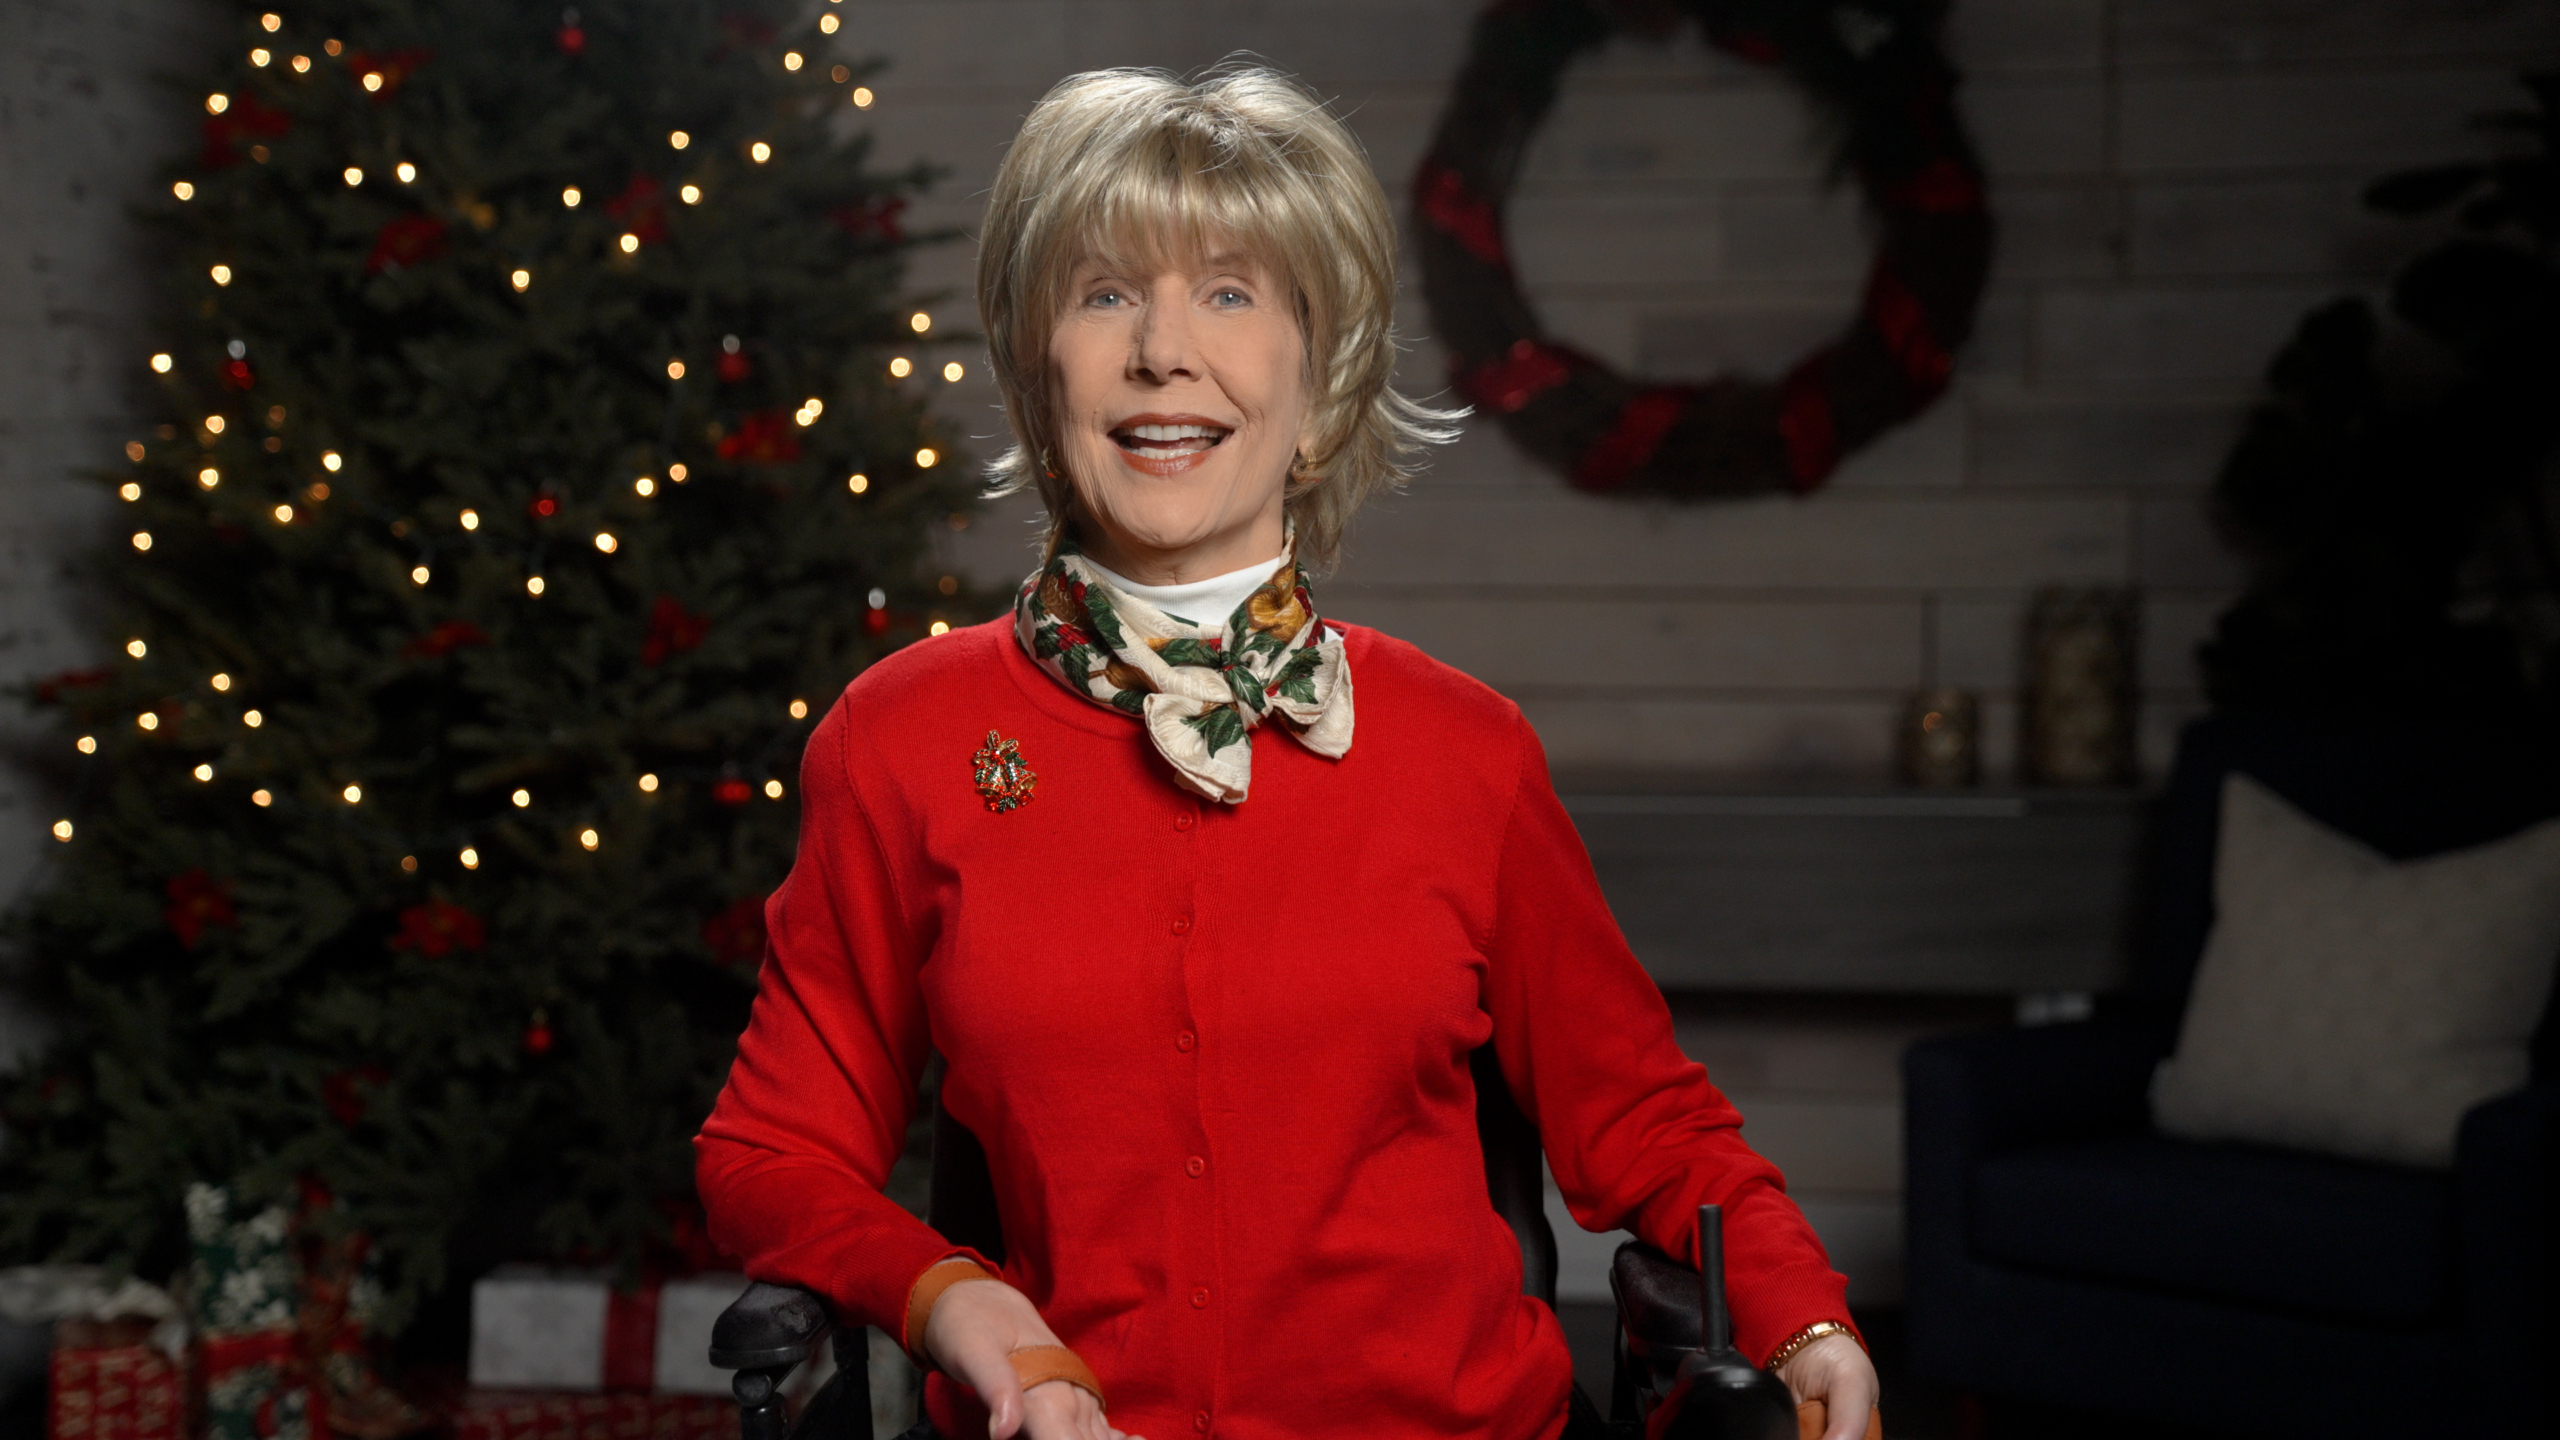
point(1836, 1371)
point(972, 1333)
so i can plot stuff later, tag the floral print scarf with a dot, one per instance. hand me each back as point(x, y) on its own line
point(1199, 689)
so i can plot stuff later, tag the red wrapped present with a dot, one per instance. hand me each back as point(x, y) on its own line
point(532, 1415)
point(110, 1383)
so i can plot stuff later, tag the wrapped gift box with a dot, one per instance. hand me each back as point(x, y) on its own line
point(570, 1330)
point(110, 1383)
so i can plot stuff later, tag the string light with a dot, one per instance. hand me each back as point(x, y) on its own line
point(372, 80)
point(878, 599)
point(759, 152)
point(677, 472)
point(262, 798)
point(161, 363)
point(183, 190)
point(316, 491)
point(252, 719)
point(521, 279)
point(470, 519)
point(899, 368)
point(522, 798)
point(409, 864)
point(353, 794)
point(354, 174)
point(208, 477)
point(204, 772)
point(272, 21)
point(691, 194)
point(214, 424)
point(216, 103)
point(284, 514)
point(827, 24)
point(406, 171)
point(221, 274)
point(418, 575)
point(141, 539)
point(569, 197)
point(810, 410)
point(679, 139)
point(588, 838)
point(649, 784)
point(147, 720)
point(470, 858)
point(938, 627)
point(799, 709)
point(136, 649)
point(220, 681)
point(791, 60)
point(606, 543)
point(840, 74)
point(926, 457)
point(773, 789)
point(675, 369)
point(301, 64)
point(645, 486)
point(533, 585)
point(952, 372)
point(332, 46)
point(919, 322)
point(130, 490)
point(61, 829)
point(330, 462)
point(86, 744)
point(861, 97)
point(857, 482)
point(259, 57)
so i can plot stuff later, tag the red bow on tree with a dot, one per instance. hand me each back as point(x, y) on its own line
point(446, 638)
point(439, 927)
point(864, 220)
point(198, 902)
point(763, 438)
point(405, 240)
point(672, 630)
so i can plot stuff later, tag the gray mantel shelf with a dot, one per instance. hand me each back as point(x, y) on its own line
point(1884, 892)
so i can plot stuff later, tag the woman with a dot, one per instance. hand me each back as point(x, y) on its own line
point(1206, 965)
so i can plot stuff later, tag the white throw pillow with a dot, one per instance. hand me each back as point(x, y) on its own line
point(2352, 1005)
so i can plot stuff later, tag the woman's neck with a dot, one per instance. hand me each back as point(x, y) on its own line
point(1207, 601)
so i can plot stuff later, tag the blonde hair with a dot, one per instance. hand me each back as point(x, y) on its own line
point(1135, 166)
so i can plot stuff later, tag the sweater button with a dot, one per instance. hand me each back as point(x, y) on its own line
point(1195, 1167)
point(1200, 1421)
point(1181, 924)
point(1200, 1299)
point(1184, 1041)
point(1183, 821)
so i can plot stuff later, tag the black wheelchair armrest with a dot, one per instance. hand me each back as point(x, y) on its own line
point(768, 1327)
point(767, 1333)
point(1657, 1299)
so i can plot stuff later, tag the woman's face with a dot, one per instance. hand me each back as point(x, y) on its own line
point(1182, 398)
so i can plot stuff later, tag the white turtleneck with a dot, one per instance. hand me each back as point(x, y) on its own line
point(1204, 602)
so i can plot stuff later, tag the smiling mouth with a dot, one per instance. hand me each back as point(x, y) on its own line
point(1168, 442)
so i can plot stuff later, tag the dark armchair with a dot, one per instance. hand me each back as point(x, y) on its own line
point(2061, 1250)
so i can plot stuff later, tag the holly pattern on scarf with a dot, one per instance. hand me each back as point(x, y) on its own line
point(1199, 689)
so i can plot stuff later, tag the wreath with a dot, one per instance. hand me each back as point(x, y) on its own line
point(1875, 68)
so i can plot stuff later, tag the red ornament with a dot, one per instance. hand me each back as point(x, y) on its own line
point(642, 208)
point(872, 219)
point(763, 438)
point(537, 1036)
point(735, 366)
point(732, 791)
point(875, 622)
point(736, 934)
point(345, 1102)
point(403, 241)
point(246, 118)
point(673, 630)
point(573, 41)
point(446, 638)
point(198, 902)
point(238, 375)
point(543, 507)
point(439, 927)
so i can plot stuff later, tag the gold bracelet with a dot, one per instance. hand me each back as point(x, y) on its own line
point(1818, 1330)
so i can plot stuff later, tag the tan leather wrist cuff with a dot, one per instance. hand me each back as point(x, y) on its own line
point(939, 1276)
point(1039, 1364)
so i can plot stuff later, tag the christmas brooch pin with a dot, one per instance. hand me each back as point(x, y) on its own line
point(1004, 782)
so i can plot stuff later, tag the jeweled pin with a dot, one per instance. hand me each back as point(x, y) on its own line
point(1004, 782)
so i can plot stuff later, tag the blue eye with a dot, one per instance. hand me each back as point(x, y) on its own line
point(1232, 296)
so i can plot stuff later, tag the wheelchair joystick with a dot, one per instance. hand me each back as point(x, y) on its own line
point(1717, 1394)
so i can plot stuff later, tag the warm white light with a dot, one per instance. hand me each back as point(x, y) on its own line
point(919, 322)
point(353, 794)
point(259, 57)
point(330, 462)
point(791, 60)
point(649, 784)
point(221, 274)
point(606, 543)
point(86, 744)
point(261, 798)
point(301, 63)
point(675, 369)
point(217, 102)
point(813, 407)
point(827, 24)
point(926, 457)
point(418, 575)
point(129, 490)
point(147, 720)
point(208, 477)
point(141, 539)
point(773, 789)
point(857, 482)
point(569, 197)
point(136, 649)
point(161, 363)
point(204, 772)
point(61, 829)
point(679, 139)
point(406, 171)
point(271, 21)
point(284, 514)
point(952, 372)
point(799, 709)
point(691, 194)
point(470, 858)
point(677, 472)
point(522, 798)
point(533, 584)
point(587, 838)
point(252, 719)
point(470, 519)
point(353, 174)
point(220, 681)
point(938, 628)
point(372, 80)
point(521, 279)
point(900, 368)
point(862, 97)
point(183, 190)
point(213, 424)
point(630, 244)
point(759, 152)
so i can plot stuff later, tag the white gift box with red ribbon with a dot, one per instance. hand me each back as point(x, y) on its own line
point(534, 1328)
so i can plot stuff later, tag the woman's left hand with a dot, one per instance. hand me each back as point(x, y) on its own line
point(1836, 1371)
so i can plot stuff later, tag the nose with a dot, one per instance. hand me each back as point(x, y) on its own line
point(1161, 351)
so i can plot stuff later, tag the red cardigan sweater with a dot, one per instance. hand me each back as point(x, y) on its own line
point(1218, 1054)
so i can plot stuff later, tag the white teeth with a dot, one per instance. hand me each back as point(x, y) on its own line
point(1175, 432)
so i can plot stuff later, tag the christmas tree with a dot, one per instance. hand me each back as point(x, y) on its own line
point(545, 447)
